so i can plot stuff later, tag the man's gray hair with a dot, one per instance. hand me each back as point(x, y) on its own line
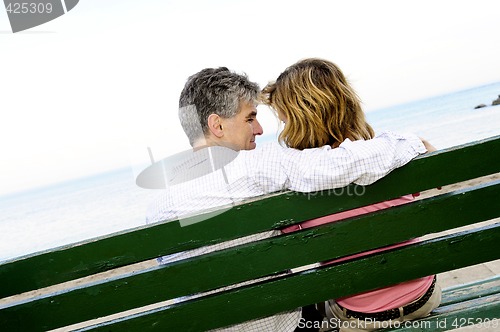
point(213, 91)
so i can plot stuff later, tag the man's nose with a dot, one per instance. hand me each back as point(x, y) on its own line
point(257, 129)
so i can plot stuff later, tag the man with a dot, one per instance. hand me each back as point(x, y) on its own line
point(217, 108)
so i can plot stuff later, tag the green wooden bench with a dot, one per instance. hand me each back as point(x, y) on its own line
point(117, 293)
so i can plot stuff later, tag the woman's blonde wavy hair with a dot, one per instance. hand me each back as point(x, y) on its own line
point(319, 105)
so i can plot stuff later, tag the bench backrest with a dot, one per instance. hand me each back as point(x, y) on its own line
point(155, 284)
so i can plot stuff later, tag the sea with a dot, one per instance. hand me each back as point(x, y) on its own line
point(85, 208)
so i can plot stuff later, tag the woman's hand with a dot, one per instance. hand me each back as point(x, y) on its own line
point(428, 146)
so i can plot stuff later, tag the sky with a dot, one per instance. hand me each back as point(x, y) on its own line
point(89, 91)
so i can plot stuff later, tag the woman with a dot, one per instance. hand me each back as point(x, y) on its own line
point(319, 107)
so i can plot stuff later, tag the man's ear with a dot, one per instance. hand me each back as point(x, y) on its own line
point(215, 125)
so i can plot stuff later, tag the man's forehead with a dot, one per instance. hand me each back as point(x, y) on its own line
point(248, 109)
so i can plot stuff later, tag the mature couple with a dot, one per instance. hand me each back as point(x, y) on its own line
point(328, 144)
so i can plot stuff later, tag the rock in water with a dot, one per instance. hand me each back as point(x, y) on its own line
point(496, 101)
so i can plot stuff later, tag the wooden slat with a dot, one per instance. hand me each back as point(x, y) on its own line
point(383, 269)
point(262, 258)
point(120, 249)
point(471, 291)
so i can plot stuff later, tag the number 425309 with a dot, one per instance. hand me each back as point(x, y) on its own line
point(480, 322)
point(29, 7)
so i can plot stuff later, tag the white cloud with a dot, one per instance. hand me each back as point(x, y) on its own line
point(78, 92)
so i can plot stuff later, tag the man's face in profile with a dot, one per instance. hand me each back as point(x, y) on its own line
point(240, 130)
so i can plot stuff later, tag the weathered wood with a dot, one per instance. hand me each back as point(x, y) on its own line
point(246, 262)
point(109, 252)
point(471, 291)
point(279, 295)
